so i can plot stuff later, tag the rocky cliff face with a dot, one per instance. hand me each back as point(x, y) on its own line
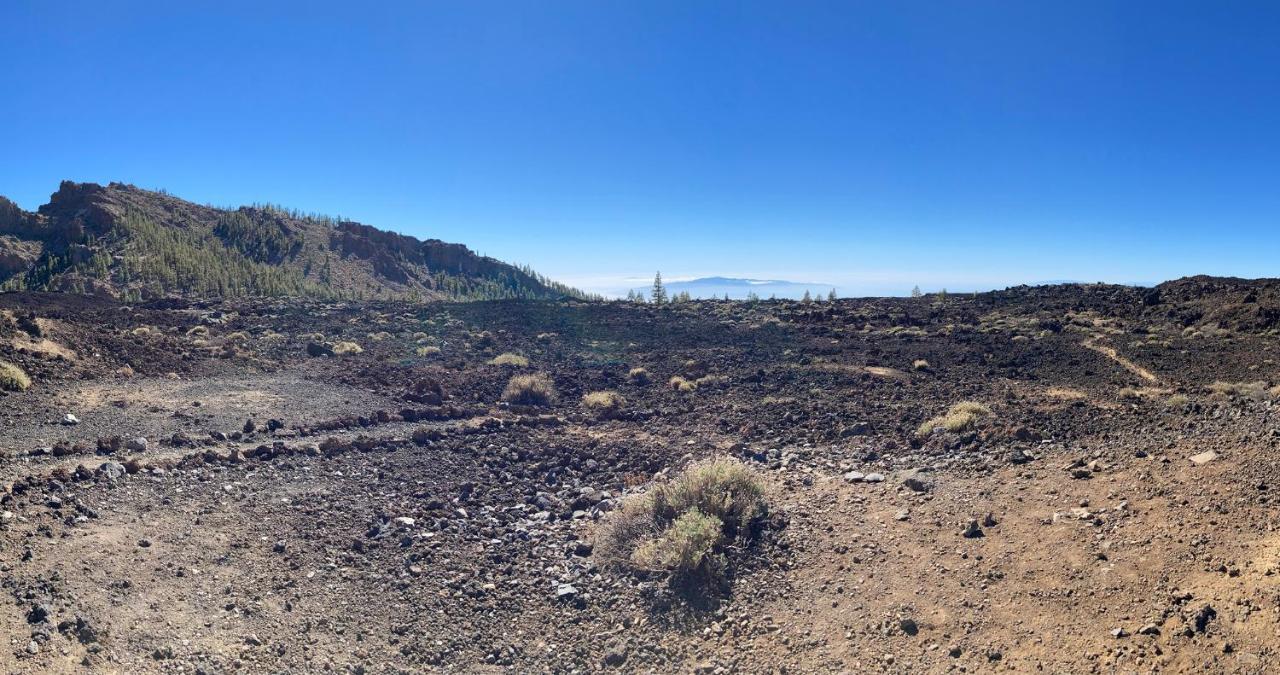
point(125, 241)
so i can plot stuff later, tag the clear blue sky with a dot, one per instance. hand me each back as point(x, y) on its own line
point(871, 145)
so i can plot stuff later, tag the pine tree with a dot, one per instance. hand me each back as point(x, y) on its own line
point(915, 292)
point(831, 297)
point(659, 293)
point(807, 298)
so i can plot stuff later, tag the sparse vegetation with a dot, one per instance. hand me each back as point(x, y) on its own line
point(1257, 391)
point(427, 351)
point(347, 347)
point(962, 416)
point(638, 376)
point(604, 404)
point(509, 359)
point(198, 331)
point(534, 389)
point(680, 384)
point(920, 364)
point(686, 525)
point(13, 378)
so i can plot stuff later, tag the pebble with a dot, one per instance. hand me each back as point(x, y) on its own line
point(70, 419)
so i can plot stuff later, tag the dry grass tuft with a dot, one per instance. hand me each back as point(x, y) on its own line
point(509, 359)
point(962, 416)
point(535, 389)
point(427, 351)
point(604, 404)
point(1257, 391)
point(347, 347)
point(919, 364)
point(13, 378)
point(682, 385)
point(638, 376)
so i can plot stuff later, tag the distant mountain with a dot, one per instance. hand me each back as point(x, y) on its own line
point(126, 242)
point(740, 289)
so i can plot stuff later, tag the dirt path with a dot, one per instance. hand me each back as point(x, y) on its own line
point(1111, 353)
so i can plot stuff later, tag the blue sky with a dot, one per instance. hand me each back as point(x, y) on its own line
point(869, 145)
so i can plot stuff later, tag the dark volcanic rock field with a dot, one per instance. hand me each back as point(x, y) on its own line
point(233, 494)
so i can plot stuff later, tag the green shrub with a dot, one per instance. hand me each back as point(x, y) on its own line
point(686, 525)
point(683, 547)
point(535, 389)
point(12, 378)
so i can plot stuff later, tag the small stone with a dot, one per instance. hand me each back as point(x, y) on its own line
point(902, 514)
point(854, 476)
point(1119, 633)
point(908, 625)
point(1149, 629)
point(70, 419)
point(566, 592)
point(1204, 457)
point(144, 543)
point(138, 444)
point(989, 520)
point(971, 530)
point(873, 478)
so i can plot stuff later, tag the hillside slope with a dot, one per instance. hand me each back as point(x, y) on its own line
point(130, 243)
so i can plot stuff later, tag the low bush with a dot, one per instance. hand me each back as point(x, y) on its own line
point(429, 350)
point(12, 378)
point(686, 526)
point(535, 389)
point(962, 416)
point(919, 364)
point(638, 376)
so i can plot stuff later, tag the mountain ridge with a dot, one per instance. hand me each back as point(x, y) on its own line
point(127, 242)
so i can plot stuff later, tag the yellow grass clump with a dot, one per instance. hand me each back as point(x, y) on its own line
point(13, 378)
point(509, 359)
point(962, 416)
point(347, 347)
point(535, 389)
point(604, 403)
